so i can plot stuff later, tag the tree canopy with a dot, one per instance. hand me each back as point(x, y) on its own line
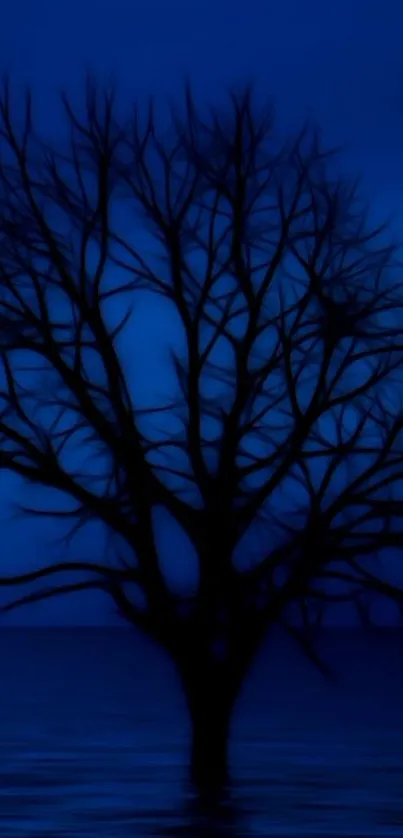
point(286, 406)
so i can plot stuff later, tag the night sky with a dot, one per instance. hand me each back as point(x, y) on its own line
point(338, 63)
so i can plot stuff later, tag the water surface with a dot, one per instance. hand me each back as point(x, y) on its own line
point(94, 734)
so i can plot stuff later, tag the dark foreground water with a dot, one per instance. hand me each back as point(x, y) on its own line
point(93, 739)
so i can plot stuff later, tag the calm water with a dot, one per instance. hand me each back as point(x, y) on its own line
point(93, 738)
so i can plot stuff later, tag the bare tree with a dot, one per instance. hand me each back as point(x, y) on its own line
point(287, 402)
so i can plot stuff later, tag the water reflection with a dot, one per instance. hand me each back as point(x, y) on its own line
point(199, 819)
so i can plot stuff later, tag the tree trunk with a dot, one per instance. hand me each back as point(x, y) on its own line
point(210, 701)
point(209, 746)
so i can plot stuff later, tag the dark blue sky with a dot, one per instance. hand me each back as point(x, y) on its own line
point(339, 63)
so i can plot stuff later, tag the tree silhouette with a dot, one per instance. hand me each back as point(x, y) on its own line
point(286, 411)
